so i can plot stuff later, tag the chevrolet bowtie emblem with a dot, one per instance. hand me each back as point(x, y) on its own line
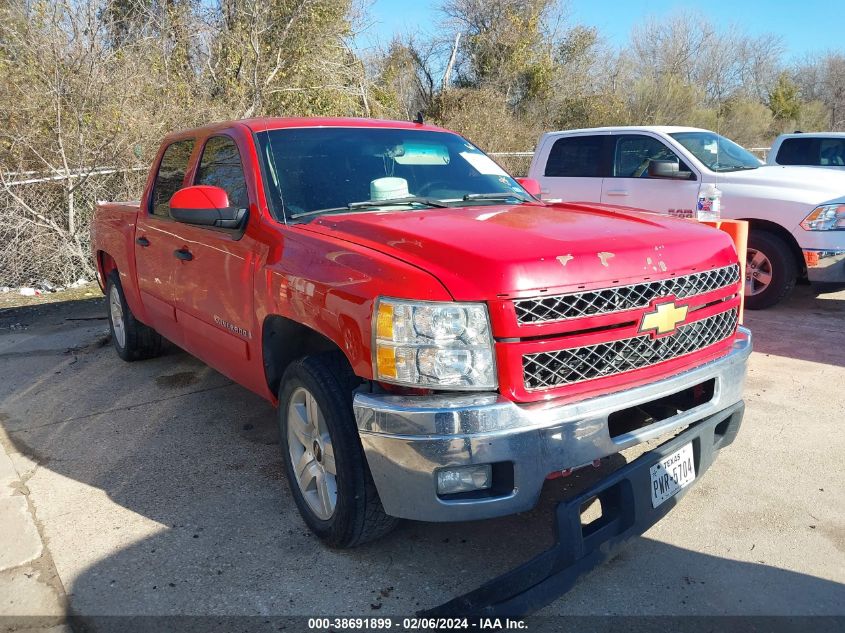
point(664, 318)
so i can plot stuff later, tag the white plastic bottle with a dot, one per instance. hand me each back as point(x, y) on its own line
point(709, 206)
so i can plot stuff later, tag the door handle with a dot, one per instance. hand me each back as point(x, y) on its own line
point(143, 241)
point(184, 254)
point(617, 192)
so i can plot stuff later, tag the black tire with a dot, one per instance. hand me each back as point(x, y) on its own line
point(138, 341)
point(783, 268)
point(358, 516)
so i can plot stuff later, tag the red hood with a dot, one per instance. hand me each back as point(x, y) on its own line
point(486, 251)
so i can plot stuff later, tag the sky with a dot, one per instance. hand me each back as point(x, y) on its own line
point(806, 25)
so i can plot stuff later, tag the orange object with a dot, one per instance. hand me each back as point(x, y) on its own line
point(738, 230)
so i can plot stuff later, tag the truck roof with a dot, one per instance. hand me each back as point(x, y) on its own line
point(663, 129)
point(813, 135)
point(276, 123)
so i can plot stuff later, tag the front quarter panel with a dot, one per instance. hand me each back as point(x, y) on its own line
point(331, 285)
point(787, 208)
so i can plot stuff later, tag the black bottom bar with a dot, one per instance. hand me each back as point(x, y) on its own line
point(626, 512)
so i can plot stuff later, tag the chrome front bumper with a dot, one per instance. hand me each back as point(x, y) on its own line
point(408, 438)
point(825, 266)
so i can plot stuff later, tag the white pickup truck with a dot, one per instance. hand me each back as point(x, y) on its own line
point(796, 214)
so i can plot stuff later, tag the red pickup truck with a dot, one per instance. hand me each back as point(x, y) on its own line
point(439, 342)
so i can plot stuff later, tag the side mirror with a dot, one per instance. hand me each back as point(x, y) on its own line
point(667, 169)
point(205, 205)
point(530, 185)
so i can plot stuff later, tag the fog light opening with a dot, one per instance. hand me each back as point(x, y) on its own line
point(591, 513)
point(459, 479)
point(721, 430)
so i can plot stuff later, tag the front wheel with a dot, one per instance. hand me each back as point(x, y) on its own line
point(325, 465)
point(770, 270)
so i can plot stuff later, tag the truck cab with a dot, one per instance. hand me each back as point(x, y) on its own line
point(795, 214)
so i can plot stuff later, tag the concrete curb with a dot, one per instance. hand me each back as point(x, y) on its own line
point(29, 583)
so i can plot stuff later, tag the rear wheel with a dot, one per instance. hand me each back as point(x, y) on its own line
point(325, 465)
point(770, 270)
point(131, 339)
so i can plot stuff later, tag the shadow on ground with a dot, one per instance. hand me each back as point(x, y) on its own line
point(809, 326)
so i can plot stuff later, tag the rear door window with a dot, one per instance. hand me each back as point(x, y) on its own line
point(170, 176)
point(634, 152)
point(798, 151)
point(221, 166)
point(577, 156)
point(832, 152)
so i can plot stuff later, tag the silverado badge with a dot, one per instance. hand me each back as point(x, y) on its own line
point(664, 318)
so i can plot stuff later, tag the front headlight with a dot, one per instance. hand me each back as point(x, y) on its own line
point(827, 217)
point(433, 344)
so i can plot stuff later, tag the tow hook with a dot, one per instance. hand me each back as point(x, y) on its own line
point(596, 463)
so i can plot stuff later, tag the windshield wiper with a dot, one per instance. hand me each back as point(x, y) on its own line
point(504, 195)
point(725, 168)
point(369, 204)
point(431, 202)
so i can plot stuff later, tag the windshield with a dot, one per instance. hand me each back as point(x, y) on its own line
point(318, 169)
point(716, 152)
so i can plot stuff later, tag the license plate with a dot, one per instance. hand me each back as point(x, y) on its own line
point(670, 474)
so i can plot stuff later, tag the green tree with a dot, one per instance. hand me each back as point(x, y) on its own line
point(746, 121)
point(784, 100)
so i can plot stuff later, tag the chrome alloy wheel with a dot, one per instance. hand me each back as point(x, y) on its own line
point(758, 272)
point(116, 311)
point(311, 453)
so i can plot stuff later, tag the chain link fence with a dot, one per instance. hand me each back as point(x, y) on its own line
point(45, 220)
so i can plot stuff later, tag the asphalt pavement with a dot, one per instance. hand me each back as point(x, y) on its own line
point(157, 487)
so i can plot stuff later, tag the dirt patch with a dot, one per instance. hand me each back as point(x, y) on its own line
point(178, 380)
point(14, 299)
point(102, 341)
point(835, 534)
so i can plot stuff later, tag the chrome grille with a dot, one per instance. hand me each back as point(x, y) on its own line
point(608, 300)
point(567, 366)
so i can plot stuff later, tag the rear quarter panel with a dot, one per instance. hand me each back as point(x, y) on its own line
point(113, 246)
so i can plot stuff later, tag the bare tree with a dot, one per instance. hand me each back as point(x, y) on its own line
point(289, 56)
point(722, 62)
point(67, 122)
point(507, 45)
point(822, 78)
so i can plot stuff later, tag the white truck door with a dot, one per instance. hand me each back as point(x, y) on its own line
point(570, 168)
point(629, 183)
